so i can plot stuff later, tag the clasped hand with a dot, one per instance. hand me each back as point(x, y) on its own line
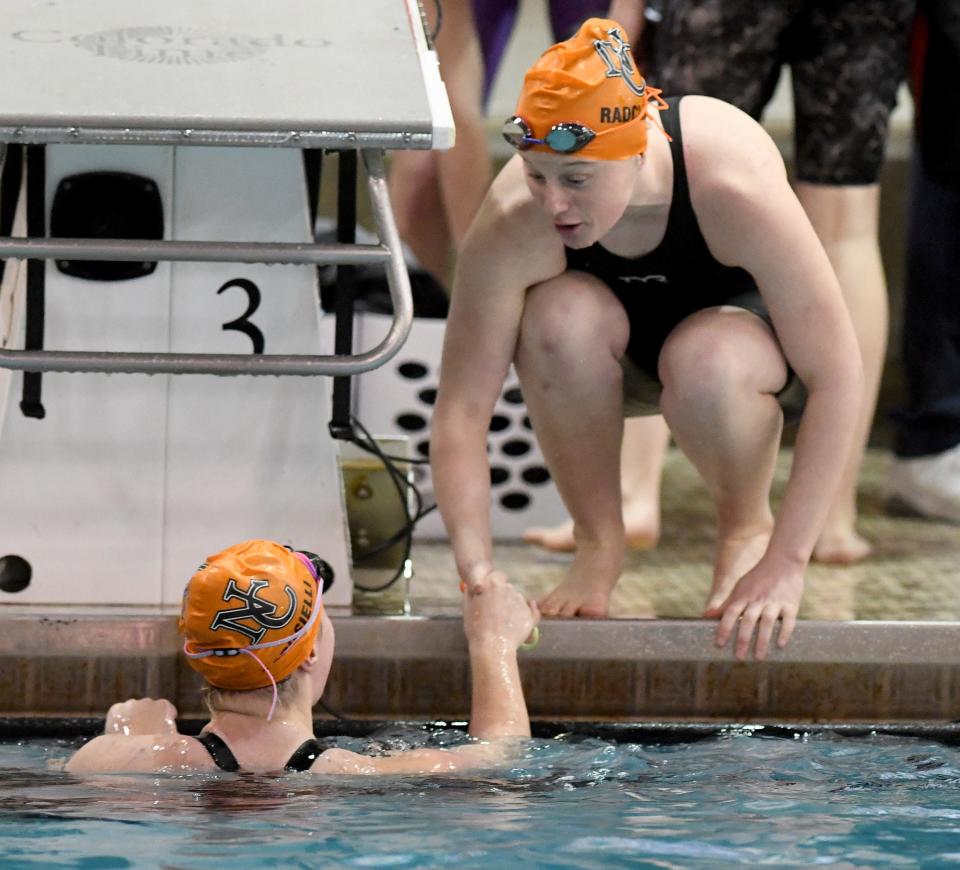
point(493, 609)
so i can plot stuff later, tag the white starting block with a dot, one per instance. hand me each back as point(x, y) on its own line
point(128, 480)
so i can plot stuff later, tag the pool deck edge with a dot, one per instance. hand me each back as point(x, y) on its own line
point(58, 661)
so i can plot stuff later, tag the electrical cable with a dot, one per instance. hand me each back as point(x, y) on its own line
point(403, 487)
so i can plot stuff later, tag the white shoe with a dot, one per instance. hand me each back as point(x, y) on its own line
point(928, 486)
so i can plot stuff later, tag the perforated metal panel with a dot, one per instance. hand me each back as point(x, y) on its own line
point(398, 400)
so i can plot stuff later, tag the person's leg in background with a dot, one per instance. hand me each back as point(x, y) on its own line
point(846, 220)
point(844, 94)
point(642, 452)
point(435, 194)
point(924, 477)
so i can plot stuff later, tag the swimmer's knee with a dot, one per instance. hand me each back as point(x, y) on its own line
point(573, 311)
point(714, 356)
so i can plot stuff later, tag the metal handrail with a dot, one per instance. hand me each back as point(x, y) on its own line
point(202, 252)
point(389, 251)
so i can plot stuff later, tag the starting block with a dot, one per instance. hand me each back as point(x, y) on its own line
point(161, 239)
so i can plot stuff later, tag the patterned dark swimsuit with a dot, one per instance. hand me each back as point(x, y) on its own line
point(302, 759)
point(846, 57)
point(662, 288)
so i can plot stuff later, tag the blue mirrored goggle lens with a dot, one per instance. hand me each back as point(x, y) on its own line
point(563, 141)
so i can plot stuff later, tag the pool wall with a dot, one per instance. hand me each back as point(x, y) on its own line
point(65, 664)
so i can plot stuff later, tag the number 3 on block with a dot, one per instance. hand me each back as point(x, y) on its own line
point(242, 323)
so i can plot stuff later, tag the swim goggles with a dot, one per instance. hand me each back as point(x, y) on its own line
point(322, 573)
point(567, 137)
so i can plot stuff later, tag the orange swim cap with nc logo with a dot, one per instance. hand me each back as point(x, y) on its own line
point(588, 81)
point(250, 614)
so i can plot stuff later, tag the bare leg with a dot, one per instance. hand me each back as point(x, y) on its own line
point(437, 193)
point(845, 219)
point(418, 207)
point(466, 169)
point(721, 369)
point(572, 336)
point(645, 441)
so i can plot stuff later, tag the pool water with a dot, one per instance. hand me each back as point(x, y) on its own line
point(732, 799)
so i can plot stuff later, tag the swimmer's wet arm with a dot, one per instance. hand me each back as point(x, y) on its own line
point(140, 736)
point(498, 707)
point(496, 620)
point(470, 756)
point(143, 753)
point(141, 716)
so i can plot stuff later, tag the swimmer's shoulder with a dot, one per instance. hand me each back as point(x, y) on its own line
point(509, 204)
point(512, 231)
point(725, 150)
point(144, 753)
point(737, 178)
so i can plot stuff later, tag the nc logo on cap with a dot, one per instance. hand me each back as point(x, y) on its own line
point(260, 611)
point(615, 53)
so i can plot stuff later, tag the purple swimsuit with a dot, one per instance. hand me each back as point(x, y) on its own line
point(495, 19)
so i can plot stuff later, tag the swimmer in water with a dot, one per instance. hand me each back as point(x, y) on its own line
point(255, 628)
point(642, 256)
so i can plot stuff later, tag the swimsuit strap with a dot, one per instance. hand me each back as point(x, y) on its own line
point(219, 752)
point(307, 753)
point(680, 203)
point(302, 759)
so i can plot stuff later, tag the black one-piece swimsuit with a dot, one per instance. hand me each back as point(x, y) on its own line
point(679, 277)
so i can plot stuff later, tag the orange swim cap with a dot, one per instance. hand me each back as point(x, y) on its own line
point(250, 612)
point(592, 81)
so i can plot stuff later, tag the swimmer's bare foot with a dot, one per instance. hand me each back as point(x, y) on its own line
point(737, 553)
point(586, 589)
point(641, 522)
point(839, 544)
point(556, 538)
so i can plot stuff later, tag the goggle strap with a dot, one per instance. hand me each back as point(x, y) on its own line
point(245, 649)
point(654, 94)
point(309, 564)
point(273, 682)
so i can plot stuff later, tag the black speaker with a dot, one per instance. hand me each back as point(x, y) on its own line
point(107, 205)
